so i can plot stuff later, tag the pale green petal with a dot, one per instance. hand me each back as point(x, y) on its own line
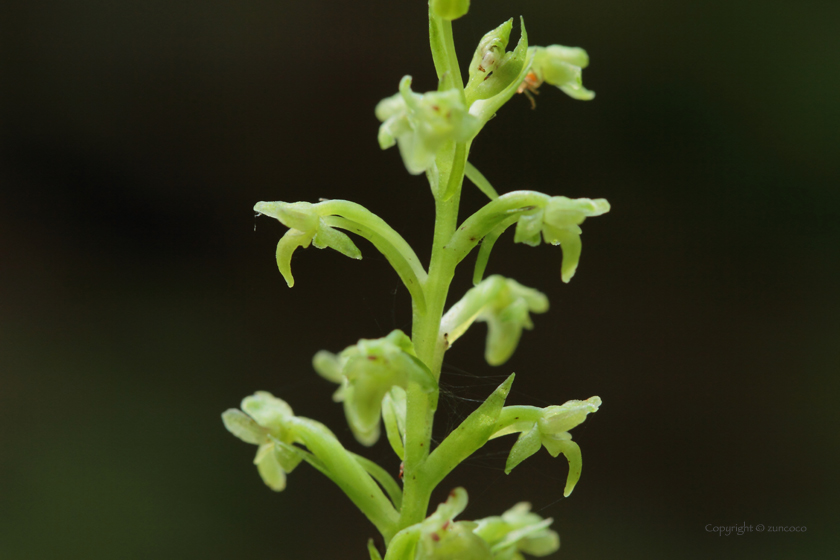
point(390, 107)
point(270, 470)
point(572, 55)
point(287, 459)
point(562, 67)
point(269, 412)
point(541, 544)
point(562, 418)
point(504, 329)
point(528, 229)
point(577, 91)
point(526, 445)
point(536, 300)
point(244, 427)
point(393, 416)
point(571, 255)
point(334, 239)
point(290, 241)
point(572, 452)
point(368, 370)
point(518, 530)
point(295, 215)
point(328, 366)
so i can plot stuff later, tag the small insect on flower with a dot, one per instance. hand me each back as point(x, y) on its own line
point(530, 85)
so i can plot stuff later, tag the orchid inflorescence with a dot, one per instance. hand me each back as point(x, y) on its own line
point(394, 381)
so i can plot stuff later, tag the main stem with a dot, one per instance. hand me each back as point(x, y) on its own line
point(430, 349)
point(425, 333)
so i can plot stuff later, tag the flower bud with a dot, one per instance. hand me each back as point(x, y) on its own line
point(492, 70)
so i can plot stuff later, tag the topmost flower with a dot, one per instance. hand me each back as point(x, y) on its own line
point(420, 124)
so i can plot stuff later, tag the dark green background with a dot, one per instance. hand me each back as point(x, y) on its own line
point(138, 300)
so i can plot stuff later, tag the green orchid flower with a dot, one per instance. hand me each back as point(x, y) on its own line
point(559, 66)
point(547, 427)
point(558, 222)
point(505, 305)
point(266, 422)
point(439, 537)
point(305, 226)
point(422, 124)
point(366, 372)
point(518, 531)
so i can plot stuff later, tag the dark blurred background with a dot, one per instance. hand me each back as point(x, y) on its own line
point(140, 297)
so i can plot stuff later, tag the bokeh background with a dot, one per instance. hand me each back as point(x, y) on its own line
point(140, 297)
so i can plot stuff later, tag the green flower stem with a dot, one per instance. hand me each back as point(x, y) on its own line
point(384, 479)
point(413, 277)
point(456, 173)
point(479, 180)
point(504, 210)
point(511, 415)
point(443, 50)
point(362, 216)
point(348, 474)
point(417, 488)
point(358, 219)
